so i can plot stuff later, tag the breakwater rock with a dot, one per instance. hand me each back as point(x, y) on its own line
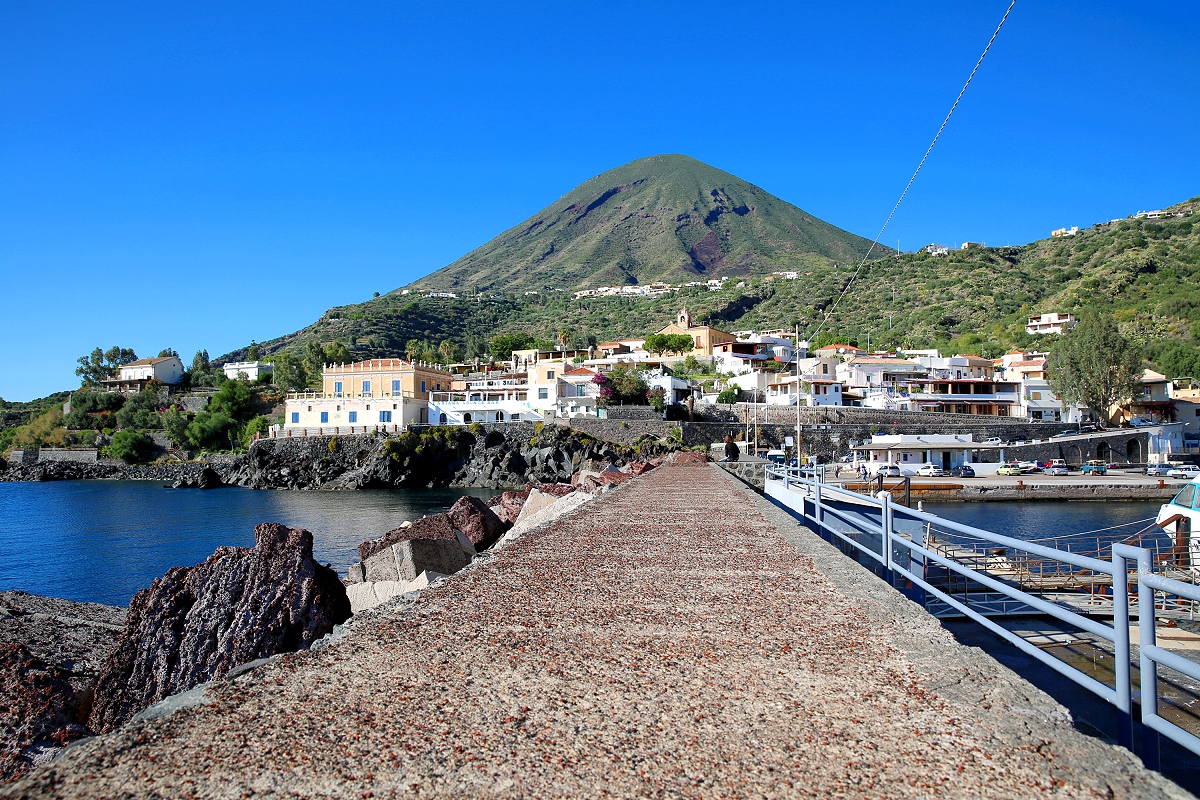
point(51, 652)
point(498, 456)
point(195, 624)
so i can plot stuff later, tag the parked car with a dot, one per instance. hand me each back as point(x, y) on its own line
point(1158, 470)
point(1056, 469)
point(1088, 429)
point(1061, 434)
point(1009, 469)
point(1031, 466)
point(931, 471)
point(776, 456)
point(889, 471)
point(993, 440)
point(1140, 422)
point(1187, 471)
point(963, 472)
point(1096, 467)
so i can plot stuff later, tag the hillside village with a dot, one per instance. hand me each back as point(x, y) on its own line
point(156, 407)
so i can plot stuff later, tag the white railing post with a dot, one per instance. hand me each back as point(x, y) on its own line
point(885, 525)
point(818, 512)
point(1123, 683)
point(1149, 667)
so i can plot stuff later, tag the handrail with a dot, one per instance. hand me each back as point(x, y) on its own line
point(814, 493)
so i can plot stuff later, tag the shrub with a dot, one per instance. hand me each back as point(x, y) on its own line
point(475, 427)
point(729, 396)
point(333, 443)
point(132, 447)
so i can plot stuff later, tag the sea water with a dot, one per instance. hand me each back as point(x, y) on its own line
point(103, 541)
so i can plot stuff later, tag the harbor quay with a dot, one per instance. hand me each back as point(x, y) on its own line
point(679, 636)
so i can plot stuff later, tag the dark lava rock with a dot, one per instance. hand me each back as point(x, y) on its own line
point(38, 710)
point(476, 521)
point(206, 479)
point(194, 624)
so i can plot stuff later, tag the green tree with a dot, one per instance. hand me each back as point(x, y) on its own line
point(252, 352)
point(101, 365)
point(167, 353)
point(1095, 366)
point(504, 344)
point(200, 361)
point(448, 352)
point(141, 411)
point(93, 410)
point(657, 343)
point(217, 427)
point(657, 398)
point(290, 374)
point(729, 396)
point(627, 387)
point(131, 447)
point(175, 423)
point(679, 343)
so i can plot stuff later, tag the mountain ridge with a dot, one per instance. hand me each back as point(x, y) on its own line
point(665, 218)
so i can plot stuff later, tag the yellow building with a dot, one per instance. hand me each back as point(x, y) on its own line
point(383, 393)
point(704, 336)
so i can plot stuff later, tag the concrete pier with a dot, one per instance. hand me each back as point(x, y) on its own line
point(677, 637)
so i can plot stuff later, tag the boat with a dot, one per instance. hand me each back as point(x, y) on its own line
point(1181, 517)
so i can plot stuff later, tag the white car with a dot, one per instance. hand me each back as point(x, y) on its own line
point(1187, 471)
point(889, 471)
point(931, 471)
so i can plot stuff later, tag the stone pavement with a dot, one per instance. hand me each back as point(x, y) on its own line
point(677, 637)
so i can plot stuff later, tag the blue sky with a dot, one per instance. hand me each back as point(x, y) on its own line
point(202, 176)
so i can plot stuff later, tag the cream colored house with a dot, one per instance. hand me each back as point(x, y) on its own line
point(704, 336)
point(383, 393)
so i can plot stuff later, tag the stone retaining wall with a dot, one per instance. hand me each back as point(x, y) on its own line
point(752, 473)
point(853, 415)
point(622, 431)
point(78, 456)
point(632, 412)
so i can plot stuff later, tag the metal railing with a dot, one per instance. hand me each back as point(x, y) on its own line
point(897, 539)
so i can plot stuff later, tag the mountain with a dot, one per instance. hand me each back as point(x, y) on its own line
point(663, 218)
point(1145, 272)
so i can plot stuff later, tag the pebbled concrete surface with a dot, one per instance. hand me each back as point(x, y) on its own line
point(677, 637)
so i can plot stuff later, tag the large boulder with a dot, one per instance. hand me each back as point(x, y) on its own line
point(195, 624)
point(434, 526)
point(476, 521)
point(38, 710)
point(507, 506)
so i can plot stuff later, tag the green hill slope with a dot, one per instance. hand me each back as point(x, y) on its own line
point(663, 218)
point(1146, 273)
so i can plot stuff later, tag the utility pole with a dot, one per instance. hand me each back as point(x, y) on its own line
point(796, 355)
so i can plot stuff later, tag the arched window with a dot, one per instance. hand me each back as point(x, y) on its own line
point(442, 418)
point(1103, 451)
point(466, 416)
point(1133, 451)
point(499, 416)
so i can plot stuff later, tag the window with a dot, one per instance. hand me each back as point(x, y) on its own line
point(337, 388)
point(516, 417)
point(295, 417)
point(442, 418)
point(385, 416)
point(395, 387)
point(467, 416)
point(549, 374)
point(824, 369)
point(1146, 391)
point(366, 388)
point(1184, 498)
point(543, 394)
point(324, 416)
point(354, 416)
point(394, 406)
point(422, 386)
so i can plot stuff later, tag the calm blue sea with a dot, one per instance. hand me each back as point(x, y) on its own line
point(103, 541)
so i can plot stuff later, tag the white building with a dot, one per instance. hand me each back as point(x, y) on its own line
point(860, 372)
point(815, 390)
point(910, 452)
point(1050, 323)
point(487, 400)
point(250, 370)
point(168, 370)
point(937, 249)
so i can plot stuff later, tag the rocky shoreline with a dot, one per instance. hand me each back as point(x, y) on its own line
point(495, 457)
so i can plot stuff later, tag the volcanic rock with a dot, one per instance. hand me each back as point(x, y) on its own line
point(38, 710)
point(194, 624)
point(476, 521)
point(507, 506)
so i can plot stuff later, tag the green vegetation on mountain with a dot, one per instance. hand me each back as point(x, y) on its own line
point(663, 218)
point(1144, 273)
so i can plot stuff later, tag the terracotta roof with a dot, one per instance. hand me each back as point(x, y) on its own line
point(145, 362)
point(580, 371)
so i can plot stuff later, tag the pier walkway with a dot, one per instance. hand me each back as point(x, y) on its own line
point(677, 637)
